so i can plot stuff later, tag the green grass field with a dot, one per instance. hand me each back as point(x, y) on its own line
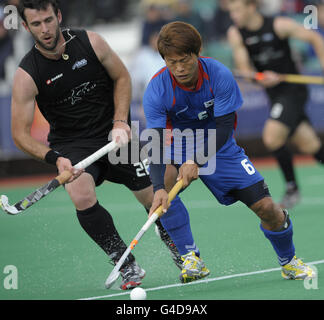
point(55, 258)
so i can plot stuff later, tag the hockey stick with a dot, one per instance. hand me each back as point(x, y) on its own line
point(297, 78)
point(43, 191)
point(290, 78)
point(114, 275)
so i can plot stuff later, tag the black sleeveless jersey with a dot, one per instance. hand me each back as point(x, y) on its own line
point(75, 95)
point(268, 52)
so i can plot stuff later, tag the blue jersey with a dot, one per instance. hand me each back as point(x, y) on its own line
point(167, 104)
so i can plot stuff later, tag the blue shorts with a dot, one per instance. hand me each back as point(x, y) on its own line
point(233, 172)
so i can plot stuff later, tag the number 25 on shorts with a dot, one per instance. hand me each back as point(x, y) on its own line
point(248, 166)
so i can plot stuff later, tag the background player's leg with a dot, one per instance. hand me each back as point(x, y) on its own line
point(275, 135)
point(307, 141)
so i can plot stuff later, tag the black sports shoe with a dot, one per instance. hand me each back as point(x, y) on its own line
point(290, 198)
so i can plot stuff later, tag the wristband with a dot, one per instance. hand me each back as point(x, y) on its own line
point(52, 156)
point(259, 76)
point(125, 121)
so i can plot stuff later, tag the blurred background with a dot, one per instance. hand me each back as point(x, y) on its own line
point(131, 28)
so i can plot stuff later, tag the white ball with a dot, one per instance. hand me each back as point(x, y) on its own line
point(138, 294)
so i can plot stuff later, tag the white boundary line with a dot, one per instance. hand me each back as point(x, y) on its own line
point(238, 275)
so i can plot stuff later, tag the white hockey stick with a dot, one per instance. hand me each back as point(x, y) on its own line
point(43, 191)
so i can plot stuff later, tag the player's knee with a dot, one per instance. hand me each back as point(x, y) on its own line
point(271, 142)
point(263, 208)
point(145, 196)
point(268, 212)
point(83, 200)
point(310, 147)
point(146, 201)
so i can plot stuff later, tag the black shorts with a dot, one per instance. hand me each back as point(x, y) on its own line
point(289, 108)
point(134, 176)
point(251, 194)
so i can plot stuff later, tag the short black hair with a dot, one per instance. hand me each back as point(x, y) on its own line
point(38, 5)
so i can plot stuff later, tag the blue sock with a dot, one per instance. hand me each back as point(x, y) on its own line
point(176, 222)
point(282, 243)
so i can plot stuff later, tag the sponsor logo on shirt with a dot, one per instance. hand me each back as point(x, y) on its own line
point(182, 110)
point(80, 64)
point(50, 81)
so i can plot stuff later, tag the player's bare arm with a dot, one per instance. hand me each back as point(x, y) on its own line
point(240, 53)
point(22, 109)
point(286, 28)
point(122, 85)
point(242, 60)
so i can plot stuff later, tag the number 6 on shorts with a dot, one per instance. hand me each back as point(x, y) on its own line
point(248, 166)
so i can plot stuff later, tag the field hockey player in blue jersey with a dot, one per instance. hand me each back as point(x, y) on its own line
point(199, 94)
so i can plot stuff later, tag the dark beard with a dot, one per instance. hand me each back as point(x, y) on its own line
point(56, 39)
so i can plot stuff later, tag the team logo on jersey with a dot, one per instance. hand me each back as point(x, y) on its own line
point(50, 81)
point(79, 92)
point(80, 64)
point(182, 110)
point(209, 103)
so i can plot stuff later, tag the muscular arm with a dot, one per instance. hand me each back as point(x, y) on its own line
point(240, 53)
point(117, 71)
point(242, 59)
point(22, 110)
point(286, 28)
point(22, 115)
